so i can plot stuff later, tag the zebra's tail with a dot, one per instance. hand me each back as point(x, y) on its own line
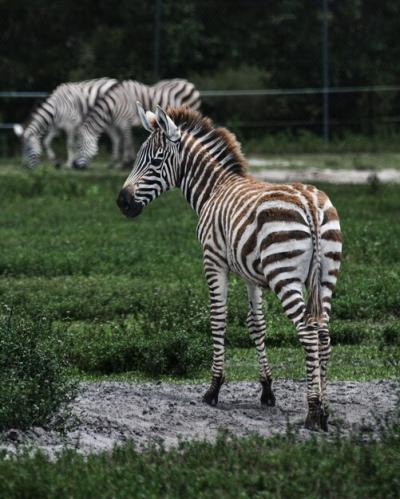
point(314, 308)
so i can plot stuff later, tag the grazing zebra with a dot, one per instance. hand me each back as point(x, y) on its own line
point(65, 110)
point(285, 237)
point(118, 108)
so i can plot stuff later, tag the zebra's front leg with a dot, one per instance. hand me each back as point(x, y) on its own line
point(217, 280)
point(71, 148)
point(308, 336)
point(256, 326)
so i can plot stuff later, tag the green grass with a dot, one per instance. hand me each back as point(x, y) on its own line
point(306, 142)
point(348, 362)
point(232, 467)
point(129, 296)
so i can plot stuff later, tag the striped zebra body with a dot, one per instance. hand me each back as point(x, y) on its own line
point(118, 108)
point(282, 237)
point(64, 110)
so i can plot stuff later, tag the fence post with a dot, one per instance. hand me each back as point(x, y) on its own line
point(325, 71)
point(157, 37)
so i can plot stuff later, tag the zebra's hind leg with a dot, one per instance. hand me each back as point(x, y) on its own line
point(294, 307)
point(217, 280)
point(116, 145)
point(128, 148)
point(324, 354)
point(48, 149)
point(256, 326)
point(309, 338)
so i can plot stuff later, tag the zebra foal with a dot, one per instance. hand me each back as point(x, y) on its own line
point(284, 237)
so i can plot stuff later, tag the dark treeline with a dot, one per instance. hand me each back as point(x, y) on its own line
point(220, 44)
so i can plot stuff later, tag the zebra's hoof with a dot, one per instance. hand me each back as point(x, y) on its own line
point(211, 395)
point(314, 418)
point(57, 164)
point(210, 398)
point(324, 420)
point(267, 395)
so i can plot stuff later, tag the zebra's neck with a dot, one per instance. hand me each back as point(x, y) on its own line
point(42, 119)
point(207, 163)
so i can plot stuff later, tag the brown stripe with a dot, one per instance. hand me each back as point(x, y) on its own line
point(329, 285)
point(292, 303)
point(333, 255)
point(296, 313)
point(276, 257)
point(332, 235)
point(278, 271)
point(284, 236)
point(329, 215)
point(288, 294)
point(285, 282)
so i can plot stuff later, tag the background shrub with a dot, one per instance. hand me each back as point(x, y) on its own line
point(33, 382)
point(130, 345)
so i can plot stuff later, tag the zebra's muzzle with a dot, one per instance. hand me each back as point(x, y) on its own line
point(79, 164)
point(127, 204)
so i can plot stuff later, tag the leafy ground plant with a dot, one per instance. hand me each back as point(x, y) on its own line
point(33, 381)
point(282, 466)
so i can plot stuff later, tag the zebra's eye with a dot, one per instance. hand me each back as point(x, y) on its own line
point(156, 161)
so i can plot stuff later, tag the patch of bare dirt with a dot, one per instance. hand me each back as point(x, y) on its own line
point(111, 413)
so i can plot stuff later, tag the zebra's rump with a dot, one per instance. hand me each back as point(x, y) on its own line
point(270, 232)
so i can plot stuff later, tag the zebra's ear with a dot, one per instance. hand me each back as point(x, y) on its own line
point(167, 125)
point(146, 118)
point(18, 130)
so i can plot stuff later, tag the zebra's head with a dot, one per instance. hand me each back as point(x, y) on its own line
point(86, 147)
point(157, 163)
point(31, 146)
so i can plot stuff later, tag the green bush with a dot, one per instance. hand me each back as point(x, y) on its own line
point(131, 345)
point(33, 381)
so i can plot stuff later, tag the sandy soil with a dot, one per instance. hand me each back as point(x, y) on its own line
point(111, 413)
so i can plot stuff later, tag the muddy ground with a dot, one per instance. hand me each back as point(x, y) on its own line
point(112, 413)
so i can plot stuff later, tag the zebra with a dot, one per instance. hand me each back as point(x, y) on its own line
point(65, 110)
point(118, 108)
point(282, 237)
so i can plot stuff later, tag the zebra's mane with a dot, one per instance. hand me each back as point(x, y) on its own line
point(195, 123)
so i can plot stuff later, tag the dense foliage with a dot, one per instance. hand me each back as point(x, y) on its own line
point(88, 38)
point(33, 380)
point(258, 45)
point(232, 467)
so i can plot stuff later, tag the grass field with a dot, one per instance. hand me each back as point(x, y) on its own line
point(68, 254)
point(127, 300)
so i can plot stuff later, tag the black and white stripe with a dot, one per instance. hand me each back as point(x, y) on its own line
point(64, 110)
point(118, 109)
point(281, 237)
